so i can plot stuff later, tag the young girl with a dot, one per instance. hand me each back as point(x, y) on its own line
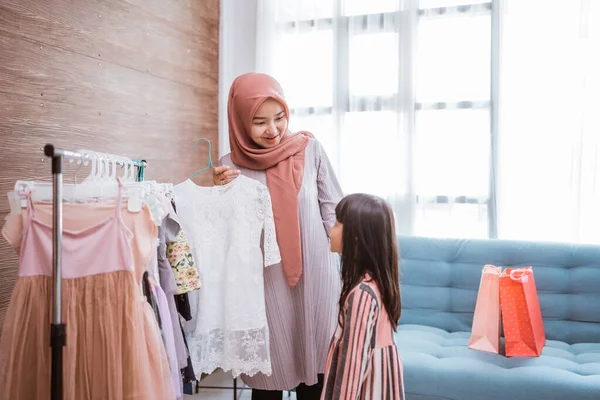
point(363, 361)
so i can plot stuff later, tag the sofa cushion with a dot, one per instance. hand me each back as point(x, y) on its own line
point(439, 365)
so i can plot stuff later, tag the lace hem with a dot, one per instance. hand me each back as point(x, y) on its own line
point(260, 368)
point(241, 352)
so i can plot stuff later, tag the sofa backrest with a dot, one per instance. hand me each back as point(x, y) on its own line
point(439, 280)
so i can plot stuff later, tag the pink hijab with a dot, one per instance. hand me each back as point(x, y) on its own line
point(284, 163)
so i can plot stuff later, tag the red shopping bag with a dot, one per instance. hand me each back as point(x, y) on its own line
point(485, 332)
point(521, 314)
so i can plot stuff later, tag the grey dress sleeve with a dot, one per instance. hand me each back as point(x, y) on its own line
point(329, 189)
point(167, 232)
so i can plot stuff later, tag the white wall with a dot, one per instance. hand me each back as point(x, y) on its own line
point(237, 45)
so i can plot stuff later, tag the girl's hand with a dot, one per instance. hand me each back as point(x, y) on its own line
point(223, 175)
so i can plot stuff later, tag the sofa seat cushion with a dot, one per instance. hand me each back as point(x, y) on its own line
point(439, 365)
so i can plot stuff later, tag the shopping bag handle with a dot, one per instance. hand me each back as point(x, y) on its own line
point(519, 275)
point(490, 269)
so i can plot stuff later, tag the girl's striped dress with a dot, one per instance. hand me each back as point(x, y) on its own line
point(363, 361)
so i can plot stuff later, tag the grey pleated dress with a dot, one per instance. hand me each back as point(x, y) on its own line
point(302, 319)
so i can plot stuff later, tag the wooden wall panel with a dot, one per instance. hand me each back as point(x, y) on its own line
point(104, 31)
point(131, 77)
point(31, 69)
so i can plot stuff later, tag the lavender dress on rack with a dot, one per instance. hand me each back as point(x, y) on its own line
point(302, 319)
point(167, 232)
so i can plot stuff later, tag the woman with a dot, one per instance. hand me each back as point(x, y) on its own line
point(301, 293)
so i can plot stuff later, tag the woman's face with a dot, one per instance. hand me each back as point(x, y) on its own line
point(269, 124)
point(337, 231)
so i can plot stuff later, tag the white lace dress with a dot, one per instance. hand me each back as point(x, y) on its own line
point(225, 226)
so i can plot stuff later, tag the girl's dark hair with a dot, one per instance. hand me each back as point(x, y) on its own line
point(369, 246)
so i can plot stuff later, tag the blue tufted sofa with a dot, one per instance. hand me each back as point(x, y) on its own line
point(439, 283)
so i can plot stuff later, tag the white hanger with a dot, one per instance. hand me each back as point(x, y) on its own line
point(127, 166)
point(94, 159)
point(132, 171)
point(101, 167)
point(100, 183)
point(81, 163)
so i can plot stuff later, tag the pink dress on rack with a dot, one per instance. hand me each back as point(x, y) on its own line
point(114, 349)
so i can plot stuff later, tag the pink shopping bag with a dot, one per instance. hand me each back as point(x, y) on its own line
point(485, 332)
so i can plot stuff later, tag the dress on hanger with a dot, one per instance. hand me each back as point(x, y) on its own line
point(184, 268)
point(113, 345)
point(225, 226)
point(167, 233)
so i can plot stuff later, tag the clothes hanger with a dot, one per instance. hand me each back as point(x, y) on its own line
point(102, 167)
point(42, 191)
point(92, 187)
point(93, 170)
point(210, 163)
point(100, 183)
point(113, 171)
point(105, 183)
point(121, 163)
point(81, 163)
point(128, 170)
point(128, 175)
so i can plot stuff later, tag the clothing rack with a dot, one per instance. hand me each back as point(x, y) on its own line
point(58, 335)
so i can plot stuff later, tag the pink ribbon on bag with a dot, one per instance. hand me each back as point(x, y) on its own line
point(491, 269)
point(520, 275)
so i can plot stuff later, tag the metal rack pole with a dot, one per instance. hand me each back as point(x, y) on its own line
point(58, 337)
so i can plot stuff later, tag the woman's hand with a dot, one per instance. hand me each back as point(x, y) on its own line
point(223, 175)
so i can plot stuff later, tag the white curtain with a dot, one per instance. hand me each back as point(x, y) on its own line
point(400, 94)
point(549, 139)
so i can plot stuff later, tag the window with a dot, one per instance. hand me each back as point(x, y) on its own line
point(404, 95)
point(407, 90)
point(453, 58)
point(309, 51)
point(453, 134)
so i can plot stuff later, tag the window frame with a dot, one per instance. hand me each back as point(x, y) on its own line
point(406, 25)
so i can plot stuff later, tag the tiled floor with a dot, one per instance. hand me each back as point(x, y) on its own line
point(222, 379)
